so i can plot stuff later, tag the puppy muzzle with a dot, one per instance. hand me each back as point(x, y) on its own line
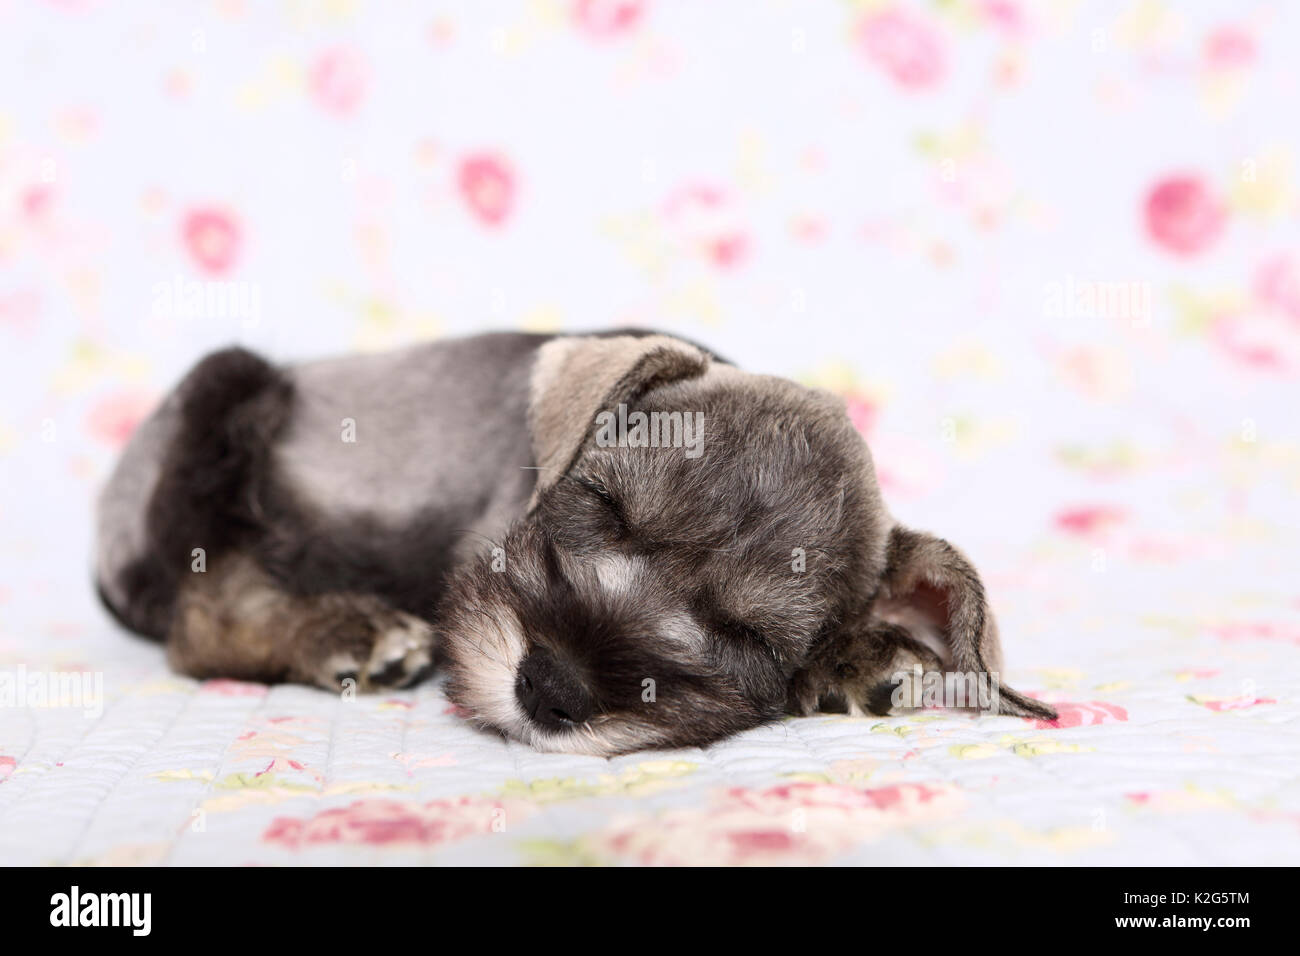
point(551, 693)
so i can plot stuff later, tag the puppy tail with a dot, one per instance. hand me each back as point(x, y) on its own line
point(1012, 703)
point(227, 411)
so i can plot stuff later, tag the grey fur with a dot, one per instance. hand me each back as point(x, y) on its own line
point(581, 597)
point(444, 423)
point(124, 500)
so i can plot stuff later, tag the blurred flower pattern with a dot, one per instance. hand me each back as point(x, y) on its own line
point(1048, 252)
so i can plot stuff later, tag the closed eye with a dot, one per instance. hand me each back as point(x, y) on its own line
point(742, 650)
point(600, 492)
point(737, 630)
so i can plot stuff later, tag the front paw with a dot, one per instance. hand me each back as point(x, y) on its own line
point(872, 671)
point(402, 654)
point(366, 647)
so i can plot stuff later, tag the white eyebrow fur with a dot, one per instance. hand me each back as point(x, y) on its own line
point(617, 573)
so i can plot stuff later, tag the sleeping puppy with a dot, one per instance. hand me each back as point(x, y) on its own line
point(610, 542)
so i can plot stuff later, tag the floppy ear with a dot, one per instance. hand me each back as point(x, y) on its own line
point(929, 612)
point(576, 377)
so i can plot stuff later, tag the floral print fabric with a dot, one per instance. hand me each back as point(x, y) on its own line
point(1048, 253)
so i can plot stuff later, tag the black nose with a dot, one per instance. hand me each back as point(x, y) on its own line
point(550, 692)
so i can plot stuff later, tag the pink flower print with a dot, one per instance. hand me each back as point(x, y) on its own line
point(705, 221)
point(1088, 521)
point(1183, 216)
point(1082, 715)
point(794, 823)
point(906, 467)
point(903, 46)
point(487, 184)
point(1257, 631)
point(1005, 15)
point(20, 310)
point(1262, 340)
point(212, 238)
point(1277, 285)
point(37, 201)
point(1219, 705)
point(808, 228)
point(114, 418)
point(412, 761)
point(607, 18)
point(862, 413)
point(391, 823)
point(1229, 47)
point(338, 81)
point(232, 688)
point(727, 250)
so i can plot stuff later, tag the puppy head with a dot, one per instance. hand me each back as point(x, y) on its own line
point(677, 575)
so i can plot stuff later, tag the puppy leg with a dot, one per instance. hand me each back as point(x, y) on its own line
point(234, 621)
point(855, 672)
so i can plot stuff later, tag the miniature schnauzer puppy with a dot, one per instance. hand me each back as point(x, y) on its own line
point(610, 542)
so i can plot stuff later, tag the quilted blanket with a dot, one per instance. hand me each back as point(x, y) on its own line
point(1048, 253)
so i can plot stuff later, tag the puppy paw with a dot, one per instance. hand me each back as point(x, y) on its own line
point(365, 646)
point(863, 672)
point(403, 653)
